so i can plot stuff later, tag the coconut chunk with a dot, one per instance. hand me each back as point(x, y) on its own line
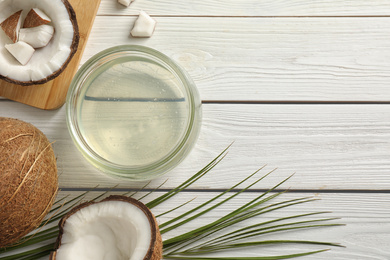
point(35, 17)
point(37, 37)
point(11, 26)
point(21, 51)
point(144, 25)
point(125, 2)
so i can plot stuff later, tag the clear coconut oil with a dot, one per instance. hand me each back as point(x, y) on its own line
point(134, 112)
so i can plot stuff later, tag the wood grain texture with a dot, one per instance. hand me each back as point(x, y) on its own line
point(52, 94)
point(328, 147)
point(250, 8)
point(300, 86)
point(268, 59)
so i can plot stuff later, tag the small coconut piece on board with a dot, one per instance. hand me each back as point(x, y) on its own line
point(144, 25)
point(117, 227)
point(35, 17)
point(11, 25)
point(125, 2)
point(21, 51)
point(38, 36)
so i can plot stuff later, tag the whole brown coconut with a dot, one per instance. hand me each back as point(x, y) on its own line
point(28, 179)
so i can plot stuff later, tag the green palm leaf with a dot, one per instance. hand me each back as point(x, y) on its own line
point(217, 236)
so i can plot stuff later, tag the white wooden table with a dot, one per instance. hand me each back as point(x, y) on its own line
point(298, 85)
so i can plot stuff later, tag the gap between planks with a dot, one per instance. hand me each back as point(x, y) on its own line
point(277, 102)
point(343, 191)
point(251, 16)
point(281, 102)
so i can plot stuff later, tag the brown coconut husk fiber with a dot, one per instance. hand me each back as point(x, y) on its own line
point(28, 179)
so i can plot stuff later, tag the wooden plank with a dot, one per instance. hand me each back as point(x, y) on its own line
point(328, 147)
point(52, 94)
point(267, 59)
point(250, 8)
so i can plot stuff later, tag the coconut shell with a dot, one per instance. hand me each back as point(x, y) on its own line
point(28, 179)
point(73, 48)
point(156, 245)
point(10, 26)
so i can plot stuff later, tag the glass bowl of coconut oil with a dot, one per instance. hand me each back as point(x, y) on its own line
point(133, 112)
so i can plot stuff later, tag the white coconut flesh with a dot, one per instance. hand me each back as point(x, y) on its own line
point(109, 230)
point(21, 51)
point(37, 37)
point(144, 25)
point(45, 61)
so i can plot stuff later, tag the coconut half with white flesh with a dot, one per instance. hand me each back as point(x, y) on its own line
point(50, 27)
point(117, 227)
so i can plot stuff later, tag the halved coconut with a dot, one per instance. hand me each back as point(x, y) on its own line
point(47, 62)
point(117, 227)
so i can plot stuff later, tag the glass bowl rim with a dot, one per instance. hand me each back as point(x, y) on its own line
point(144, 172)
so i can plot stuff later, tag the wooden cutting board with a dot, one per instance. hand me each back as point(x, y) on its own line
point(52, 94)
